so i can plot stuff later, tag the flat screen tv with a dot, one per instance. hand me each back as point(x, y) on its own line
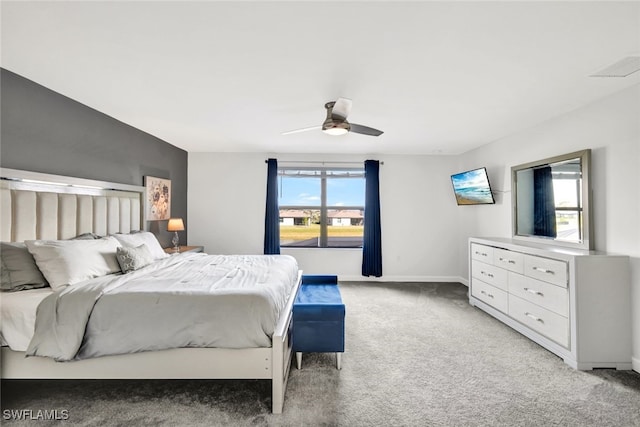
point(472, 187)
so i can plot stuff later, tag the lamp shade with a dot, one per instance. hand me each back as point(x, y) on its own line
point(175, 224)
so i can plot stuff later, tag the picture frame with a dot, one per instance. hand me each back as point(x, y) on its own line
point(157, 198)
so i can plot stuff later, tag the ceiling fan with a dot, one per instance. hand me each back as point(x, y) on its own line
point(336, 122)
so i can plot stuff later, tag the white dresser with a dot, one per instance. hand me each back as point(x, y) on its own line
point(575, 303)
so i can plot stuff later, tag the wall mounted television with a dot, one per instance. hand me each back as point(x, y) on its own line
point(472, 187)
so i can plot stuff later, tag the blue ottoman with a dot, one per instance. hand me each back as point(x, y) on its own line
point(318, 318)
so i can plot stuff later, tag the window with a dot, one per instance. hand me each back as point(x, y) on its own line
point(567, 189)
point(321, 207)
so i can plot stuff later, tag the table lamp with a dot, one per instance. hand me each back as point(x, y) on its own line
point(175, 225)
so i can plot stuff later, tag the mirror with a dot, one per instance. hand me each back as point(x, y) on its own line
point(550, 200)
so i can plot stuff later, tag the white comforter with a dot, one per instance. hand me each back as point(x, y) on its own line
point(18, 316)
point(187, 300)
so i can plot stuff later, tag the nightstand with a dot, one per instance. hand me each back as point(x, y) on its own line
point(170, 250)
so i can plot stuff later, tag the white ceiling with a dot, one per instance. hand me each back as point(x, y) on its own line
point(437, 77)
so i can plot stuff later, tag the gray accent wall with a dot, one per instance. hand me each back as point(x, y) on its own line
point(44, 131)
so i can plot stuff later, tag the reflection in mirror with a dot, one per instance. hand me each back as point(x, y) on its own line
point(550, 200)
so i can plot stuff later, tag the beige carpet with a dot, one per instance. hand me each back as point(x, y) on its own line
point(416, 355)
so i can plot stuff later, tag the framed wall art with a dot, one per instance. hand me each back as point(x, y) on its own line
point(157, 198)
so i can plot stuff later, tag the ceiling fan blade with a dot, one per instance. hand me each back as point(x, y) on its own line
point(301, 130)
point(341, 109)
point(365, 130)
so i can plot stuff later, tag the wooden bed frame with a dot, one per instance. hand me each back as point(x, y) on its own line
point(43, 206)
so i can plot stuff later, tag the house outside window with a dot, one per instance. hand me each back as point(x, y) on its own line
point(321, 207)
point(294, 217)
point(346, 218)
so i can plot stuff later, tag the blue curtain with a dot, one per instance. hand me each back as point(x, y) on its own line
point(272, 215)
point(372, 244)
point(544, 206)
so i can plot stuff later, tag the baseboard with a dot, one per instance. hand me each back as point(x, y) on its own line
point(635, 364)
point(403, 279)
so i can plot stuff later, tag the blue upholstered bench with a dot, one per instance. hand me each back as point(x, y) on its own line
point(318, 318)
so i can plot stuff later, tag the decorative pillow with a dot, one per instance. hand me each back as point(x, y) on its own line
point(19, 269)
point(131, 259)
point(66, 262)
point(143, 238)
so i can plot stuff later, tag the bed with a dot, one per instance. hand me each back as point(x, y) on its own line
point(53, 210)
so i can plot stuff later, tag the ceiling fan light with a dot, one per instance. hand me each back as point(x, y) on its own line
point(335, 131)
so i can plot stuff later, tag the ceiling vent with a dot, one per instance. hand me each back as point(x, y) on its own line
point(622, 68)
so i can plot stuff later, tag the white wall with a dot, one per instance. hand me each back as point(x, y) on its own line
point(226, 200)
point(611, 128)
point(226, 214)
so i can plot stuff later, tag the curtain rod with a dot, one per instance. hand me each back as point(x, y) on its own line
point(317, 162)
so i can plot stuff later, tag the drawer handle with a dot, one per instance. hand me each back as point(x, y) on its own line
point(486, 274)
point(481, 253)
point(533, 291)
point(543, 270)
point(537, 319)
point(484, 293)
point(510, 261)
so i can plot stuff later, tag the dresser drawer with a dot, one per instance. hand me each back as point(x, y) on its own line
point(491, 274)
point(512, 261)
point(482, 253)
point(549, 270)
point(490, 294)
point(545, 322)
point(546, 295)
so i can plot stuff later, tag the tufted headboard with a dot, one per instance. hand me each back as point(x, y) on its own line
point(42, 206)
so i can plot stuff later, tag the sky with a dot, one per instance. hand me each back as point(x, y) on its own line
point(306, 191)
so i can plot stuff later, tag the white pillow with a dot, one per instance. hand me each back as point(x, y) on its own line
point(66, 262)
point(142, 238)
